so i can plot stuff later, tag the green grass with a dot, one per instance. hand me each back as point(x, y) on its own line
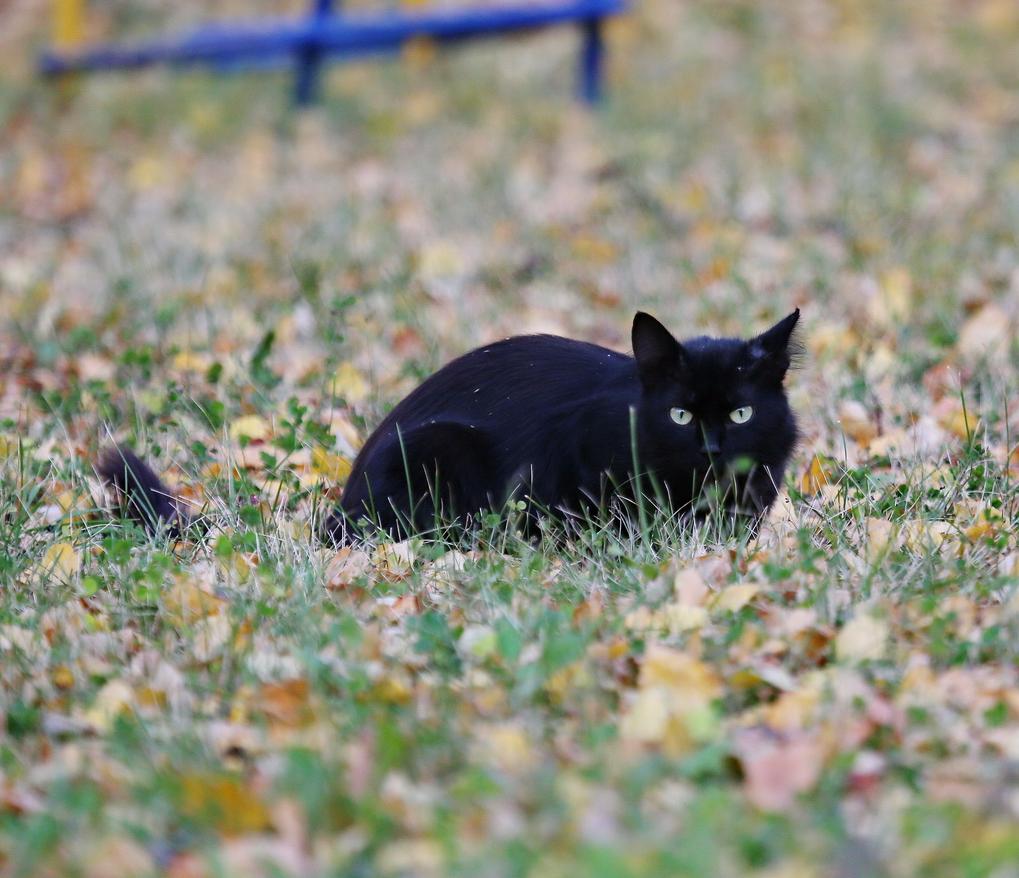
point(241, 292)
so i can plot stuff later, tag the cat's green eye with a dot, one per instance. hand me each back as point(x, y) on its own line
point(741, 415)
point(681, 416)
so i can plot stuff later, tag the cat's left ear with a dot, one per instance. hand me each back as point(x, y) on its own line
point(659, 356)
point(770, 354)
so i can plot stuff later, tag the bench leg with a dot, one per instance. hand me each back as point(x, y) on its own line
point(592, 55)
point(309, 60)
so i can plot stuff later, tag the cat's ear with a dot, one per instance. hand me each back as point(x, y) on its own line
point(658, 354)
point(770, 354)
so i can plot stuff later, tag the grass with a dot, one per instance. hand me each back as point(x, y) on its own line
point(242, 292)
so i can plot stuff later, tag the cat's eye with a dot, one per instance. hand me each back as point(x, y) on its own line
point(681, 416)
point(741, 415)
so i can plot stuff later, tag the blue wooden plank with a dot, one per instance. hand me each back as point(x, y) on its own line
point(348, 35)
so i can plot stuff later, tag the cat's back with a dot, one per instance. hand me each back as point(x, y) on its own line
point(512, 378)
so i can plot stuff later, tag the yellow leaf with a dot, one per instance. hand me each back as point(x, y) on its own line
point(508, 747)
point(834, 339)
point(734, 598)
point(881, 534)
point(114, 698)
point(189, 361)
point(8, 446)
point(395, 559)
point(68, 23)
point(392, 689)
point(439, 260)
point(185, 602)
point(641, 619)
point(684, 617)
point(253, 427)
point(333, 466)
point(62, 559)
point(894, 298)
point(864, 638)
point(63, 678)
point(953, 416)
point(680, 673)
point(647, 717)
point(819, 472)
point(346, 566)
point(65, 500)
point(477, 641)
point(923, 535)
point(350, 384)
point(673, 705)
point(594, 250)
point(224, 801)
point(148, 172)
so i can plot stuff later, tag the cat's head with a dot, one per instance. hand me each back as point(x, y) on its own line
point(714, 403)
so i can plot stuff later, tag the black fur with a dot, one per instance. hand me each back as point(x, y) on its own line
point(557, 423)
point(142, 496)
point(548, 420)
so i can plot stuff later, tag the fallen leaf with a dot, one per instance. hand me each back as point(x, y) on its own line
point(856, 422)
point(116, 697)
point(863, 638)
point(286, 703)
point(334, 467)
point(777, 767)
point(349, 384)
point(820, 471)
point(189, 600)
point(253, 427)
point(734, 598)
point(224, 802)
point(673, 703)
point(61, 559)
point(985, 335)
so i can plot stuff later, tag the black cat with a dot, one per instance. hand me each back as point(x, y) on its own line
point(560, 425)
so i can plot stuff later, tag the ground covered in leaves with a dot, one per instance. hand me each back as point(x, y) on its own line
point(241, 292)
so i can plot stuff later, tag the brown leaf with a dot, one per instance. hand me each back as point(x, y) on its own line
point(777, 767)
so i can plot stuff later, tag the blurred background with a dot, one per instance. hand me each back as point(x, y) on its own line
point(858, 159)
point(189, 263)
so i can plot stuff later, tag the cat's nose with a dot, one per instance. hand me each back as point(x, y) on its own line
point(711, 443)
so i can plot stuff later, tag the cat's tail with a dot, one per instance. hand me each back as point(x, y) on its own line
point(142, 496)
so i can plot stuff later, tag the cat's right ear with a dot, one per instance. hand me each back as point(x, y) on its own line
point(656, 350)
point(772, 352)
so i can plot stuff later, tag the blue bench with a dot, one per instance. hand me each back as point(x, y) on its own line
point(326, 32)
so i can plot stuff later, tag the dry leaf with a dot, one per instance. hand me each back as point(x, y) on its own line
point(114, 698)
point(855, 421)
point(224, 802)
point(189, 600)
point(334, 467)
point(863, 638)
point(985, 335)
point(819, 472)
point(61, 560)
point(349, 384)
point(253, 427)
point(777, 767)
point(734, 598)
